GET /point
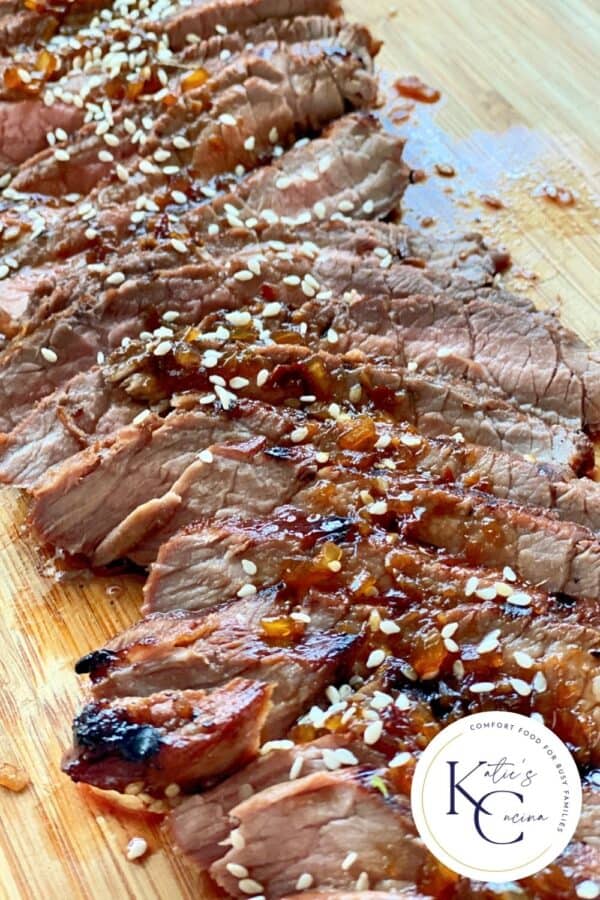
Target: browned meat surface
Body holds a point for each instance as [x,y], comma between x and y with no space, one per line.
[201,823]
[311,825]
[176,737]
[362,161]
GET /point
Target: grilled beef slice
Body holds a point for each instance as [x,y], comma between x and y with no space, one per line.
[363,162]
[185,737]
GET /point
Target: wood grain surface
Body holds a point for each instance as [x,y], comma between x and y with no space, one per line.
[519,109]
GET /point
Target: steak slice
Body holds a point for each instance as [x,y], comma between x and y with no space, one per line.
[206,651]
[362,161]
[274,88]
[311,824]
[183,737]
[200,825]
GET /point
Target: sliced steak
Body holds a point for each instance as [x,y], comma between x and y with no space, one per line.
[201,18]
[363,162]
[281,89]
[200,826]
[182,737]
[207,650]
[311,824]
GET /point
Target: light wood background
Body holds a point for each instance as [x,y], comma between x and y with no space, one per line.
[519,108]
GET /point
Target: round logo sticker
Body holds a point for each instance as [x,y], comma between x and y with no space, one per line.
[496,796]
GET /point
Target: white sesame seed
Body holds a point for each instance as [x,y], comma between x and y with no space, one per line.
[105,156]
[136,848]
[376,657]
[449,630]
[100,357]
[283,182]
[381,701]
[520,598]
[489,642]
[276,745]
[588,890]
[246,590]
[368,207]
[524,660]
[299,434]
[521,687]
[226,398]
[238,383]
[471,585]
[304,882]
[451,645]
[296,768]
[161,155]
[181,143]
[332,336]
[111,139]
[171,315]
[271,309]
[486,593]
[250,886]
[179,246]
[250,143]
[249,567]
[178,197]
[508,574]
[349,860]
[237,840]
[262,377]
[411,440]
[482,687]
[383,442]
[238,317]
[142,416]
[373,732]
[322,457]
[309,291]
[291,280]
[49,355]
[503,589]
[61,155]
[362,882]
[116,279]
[243,275]
[320,210]
[213,230]
[237,870]
[379,508]
[147,168]
[163,348]
[206,456]
[539,683]
[4,270]
[399,760]
[387,626]
[227,119]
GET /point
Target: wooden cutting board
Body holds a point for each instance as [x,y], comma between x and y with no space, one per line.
[519,109]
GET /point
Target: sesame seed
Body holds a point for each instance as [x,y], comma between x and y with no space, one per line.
[142,416]
[163,348]
[100,357]
[489,642]
[105,156]
[238,317]
[226,398]
[243,275]
[381,701]
[399,760]
[299,434]
[387,626]
[238,383]
[250,143]
[206,456]
[362,882]
[588,890]
[320,210]
[262,377]
[524,660]
[147,168]
[332,336]
[291,280]
[268,746]
[227,119]
[271,309]
[322,457]
[471,585]
[136,848]
[61,155]
[383,442]
[519,598]
[249,567]
[458,669]
[486,593]
[4,270]
[503,589]
[451,645]
[213,230]
[482,687]
[376,657]
[305,881]
[334,566]
[349,860]
[508,574]
[449,630]
[521,687]
[111,139]
[181,143]
[116,278]
[179,246]
[171,315]
[246,590]
[237,840]
[379,508]
[410,440]
[296,768]
[178,197]
[49,354]
[355,392]
[283,182]
[373,732]
[250,886]
[539,683]
[237,870]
